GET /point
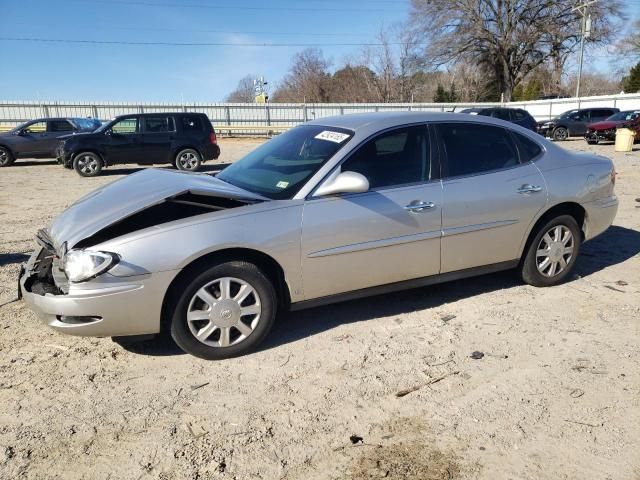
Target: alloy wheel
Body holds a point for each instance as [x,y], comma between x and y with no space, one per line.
[188,161]
[88,164]
[224,312]
[555,251]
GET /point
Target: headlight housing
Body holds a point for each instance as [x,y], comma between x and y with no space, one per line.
[83,265]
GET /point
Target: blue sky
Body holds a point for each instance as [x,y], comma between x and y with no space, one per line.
[58,71]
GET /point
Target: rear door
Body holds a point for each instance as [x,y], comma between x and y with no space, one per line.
[390,233]
[56,129]
[123,144]
[489,195]
[158,132]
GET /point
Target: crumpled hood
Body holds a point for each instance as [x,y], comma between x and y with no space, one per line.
[604,125]
[131,194]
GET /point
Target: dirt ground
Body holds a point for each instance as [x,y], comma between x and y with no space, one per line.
[555,396]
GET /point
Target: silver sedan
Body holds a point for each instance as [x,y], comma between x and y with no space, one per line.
[334,209]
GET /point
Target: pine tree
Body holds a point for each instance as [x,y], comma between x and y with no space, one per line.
[631,83]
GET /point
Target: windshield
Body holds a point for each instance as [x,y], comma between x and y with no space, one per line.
[566,114]
[86,123]
[280,167]
[624,116]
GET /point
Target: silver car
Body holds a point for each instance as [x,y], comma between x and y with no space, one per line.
[334,209]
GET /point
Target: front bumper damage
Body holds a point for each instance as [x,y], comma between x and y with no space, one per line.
[105,307]
[608,135]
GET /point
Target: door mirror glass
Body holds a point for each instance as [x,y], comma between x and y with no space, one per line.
[345,182]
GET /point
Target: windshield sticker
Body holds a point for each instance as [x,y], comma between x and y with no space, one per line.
[282,184]
[335,137]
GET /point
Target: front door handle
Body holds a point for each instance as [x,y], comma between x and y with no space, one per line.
[530,189]
[416,207]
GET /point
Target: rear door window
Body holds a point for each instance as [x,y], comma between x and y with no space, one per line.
[60,126]
[158,124]
[471,149]
[502,114]
[529,150]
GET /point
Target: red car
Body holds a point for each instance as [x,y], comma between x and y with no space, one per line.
[606,130]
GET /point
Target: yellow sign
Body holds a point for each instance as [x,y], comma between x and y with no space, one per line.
[261,98]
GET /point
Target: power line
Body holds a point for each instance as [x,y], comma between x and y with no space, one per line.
[235,7]
[195,44]
[227,32]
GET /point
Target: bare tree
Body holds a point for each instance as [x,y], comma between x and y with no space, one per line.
[509,37]
[308,79]
[244,92]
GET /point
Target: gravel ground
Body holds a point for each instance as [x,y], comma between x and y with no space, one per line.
[555,396]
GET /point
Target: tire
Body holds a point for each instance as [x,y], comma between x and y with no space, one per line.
[188,160]
[6,157]
[217,317]
[592,142]
[560,134]
[87,164]
[533,269]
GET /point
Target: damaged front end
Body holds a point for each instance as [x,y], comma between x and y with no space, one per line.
[76,283]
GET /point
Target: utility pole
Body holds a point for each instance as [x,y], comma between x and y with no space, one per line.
[585,32]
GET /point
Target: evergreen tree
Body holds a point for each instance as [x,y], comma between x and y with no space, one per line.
[631,83]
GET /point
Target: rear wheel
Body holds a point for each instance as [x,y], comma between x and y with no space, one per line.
[87,164]
[223,312]
[188,160]
[560,134]
[552,253]
[6,157]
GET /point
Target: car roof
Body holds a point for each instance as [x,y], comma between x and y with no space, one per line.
[155,114]
[383,120]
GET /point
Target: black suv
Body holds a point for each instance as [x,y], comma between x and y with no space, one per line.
[574,122]
[39,138]
[514,115]
[182,139]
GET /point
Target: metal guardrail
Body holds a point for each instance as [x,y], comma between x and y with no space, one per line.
[249,119]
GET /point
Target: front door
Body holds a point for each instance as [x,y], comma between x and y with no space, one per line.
[123,144]
[390,233]
[33,139]
[157,136]
[491,194]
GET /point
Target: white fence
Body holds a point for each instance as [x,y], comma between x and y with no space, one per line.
[281,115]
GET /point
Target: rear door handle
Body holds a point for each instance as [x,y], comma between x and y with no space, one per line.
[530,189]
[416,207]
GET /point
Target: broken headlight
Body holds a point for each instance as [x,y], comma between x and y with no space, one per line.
[83,265]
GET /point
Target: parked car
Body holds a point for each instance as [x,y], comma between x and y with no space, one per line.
[606,130]
[184,140]
[515,115]
[574,122]
[39,138]
[334,209]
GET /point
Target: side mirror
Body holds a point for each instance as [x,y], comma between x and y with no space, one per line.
[345,182]
[20,133]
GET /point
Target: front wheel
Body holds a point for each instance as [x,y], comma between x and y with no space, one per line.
[560,134]
[552,253]
[6,158]
[188,160]
[224,311]
[87,164]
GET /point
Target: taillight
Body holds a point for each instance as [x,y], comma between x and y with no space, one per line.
[212,137]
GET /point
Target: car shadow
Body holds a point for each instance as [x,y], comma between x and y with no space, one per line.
[615,246]
[32,163]
[9,258]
